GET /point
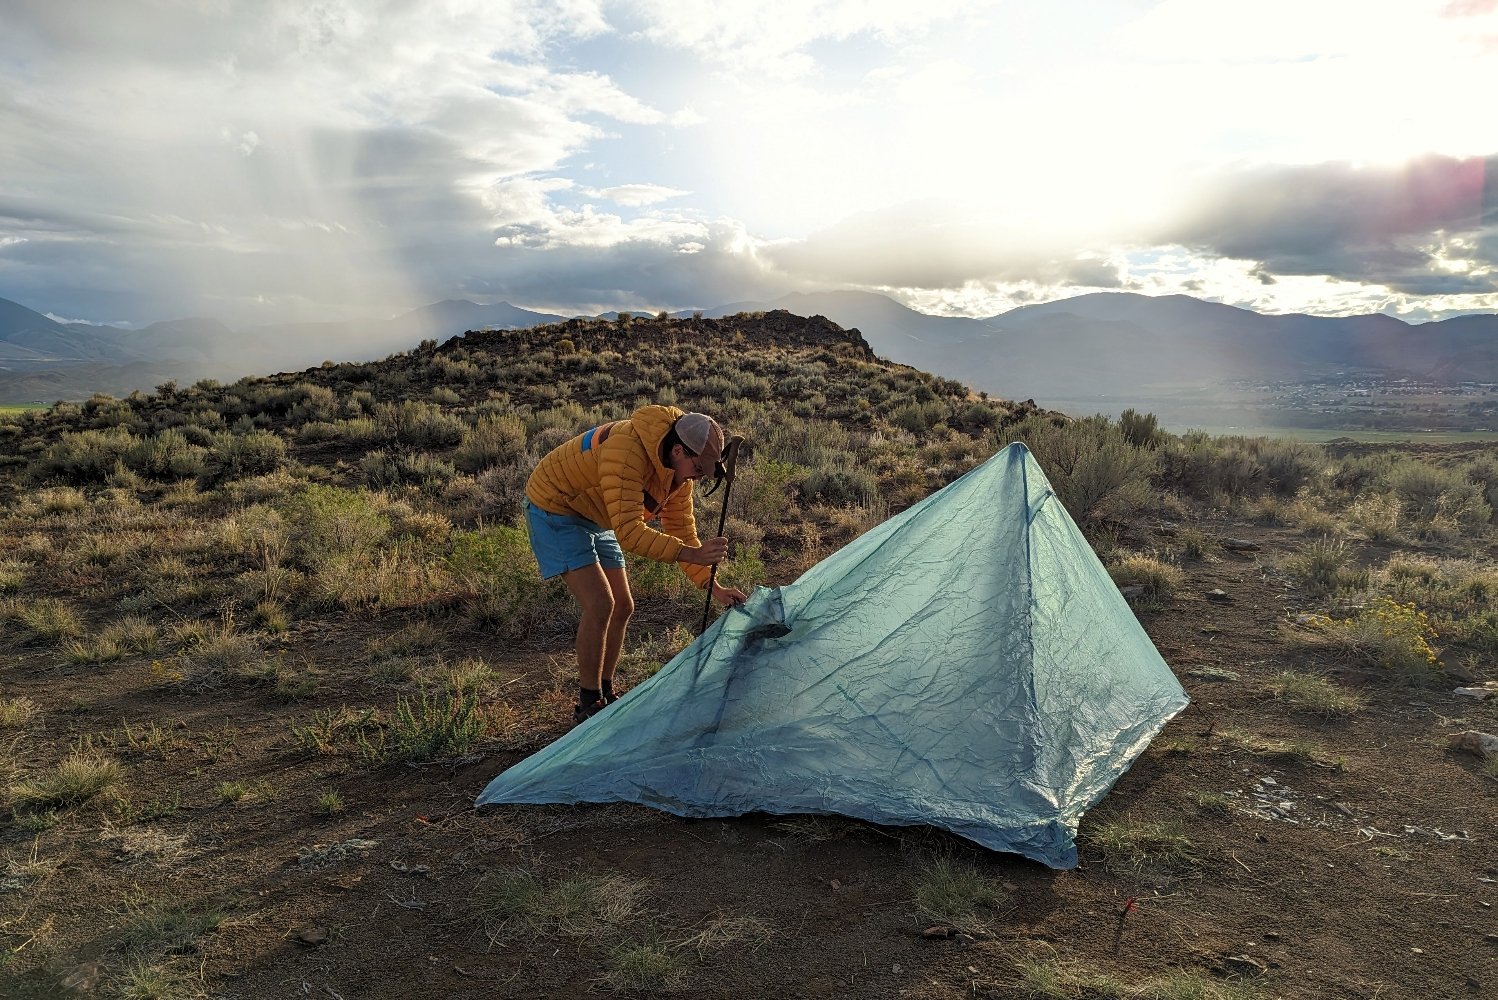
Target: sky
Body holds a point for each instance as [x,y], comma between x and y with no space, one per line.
[265,161]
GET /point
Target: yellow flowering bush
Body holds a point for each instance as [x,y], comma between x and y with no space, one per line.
[1387,634]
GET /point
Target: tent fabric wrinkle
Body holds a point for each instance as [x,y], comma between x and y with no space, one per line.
[968,664]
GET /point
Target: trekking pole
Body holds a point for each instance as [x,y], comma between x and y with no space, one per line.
[730,459]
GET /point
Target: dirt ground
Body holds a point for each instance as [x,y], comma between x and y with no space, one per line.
[1367,873]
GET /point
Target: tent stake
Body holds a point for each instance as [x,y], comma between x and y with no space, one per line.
[730,459]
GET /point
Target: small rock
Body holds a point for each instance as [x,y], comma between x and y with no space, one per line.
[1132,590]
[1457,670]
[1245,965]
[1219,596]
[938,932]
[1239,545]
[1482,744]
[311,936]
[1271,935]
[1482,692]
[83,978]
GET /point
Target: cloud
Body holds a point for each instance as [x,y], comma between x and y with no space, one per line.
[934,243]
[635,195]
[1411,227]
[291,152]
[722,263]
[771,37]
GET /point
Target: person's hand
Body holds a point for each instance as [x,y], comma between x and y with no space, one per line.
[714,550]
[729,596]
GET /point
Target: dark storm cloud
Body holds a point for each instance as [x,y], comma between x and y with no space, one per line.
[1399,226]
[635,274]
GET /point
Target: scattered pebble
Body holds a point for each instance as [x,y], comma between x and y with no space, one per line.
[1245,965]
[1435,834]
[1482,744]
[311,936]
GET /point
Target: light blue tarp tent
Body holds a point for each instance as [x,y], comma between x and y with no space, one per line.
[968,664]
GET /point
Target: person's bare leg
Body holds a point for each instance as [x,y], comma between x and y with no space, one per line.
[624,606]
[595,597]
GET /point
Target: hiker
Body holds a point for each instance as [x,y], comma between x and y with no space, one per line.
[587,503]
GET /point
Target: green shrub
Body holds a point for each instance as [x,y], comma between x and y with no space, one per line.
[421,424]
[83,457]
[1387,634]
[312,403]
[1142,430]
[765,488]
[1420,486]
[166,455]
[1095,472]
[497,570]
[918,418]
[1321,568]
[435,727]
[845,487]
[1196,464]
[1288,465]
[238,455]
[494,440]
[330,521]
[1376,515]
[1484,473]
[653,579]
[420,469]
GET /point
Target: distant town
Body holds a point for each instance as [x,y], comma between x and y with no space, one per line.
[1363,402]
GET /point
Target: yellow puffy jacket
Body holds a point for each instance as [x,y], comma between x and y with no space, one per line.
[612,475]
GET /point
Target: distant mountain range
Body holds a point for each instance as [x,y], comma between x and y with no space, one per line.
[1112,343]
[42,360]
[1095,349]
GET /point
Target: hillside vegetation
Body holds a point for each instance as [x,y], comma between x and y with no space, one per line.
[262,643]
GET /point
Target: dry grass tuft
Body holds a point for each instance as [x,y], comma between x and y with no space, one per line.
[81,776]
[1315,695]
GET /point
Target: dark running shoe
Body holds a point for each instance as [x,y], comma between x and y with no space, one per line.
[580,714]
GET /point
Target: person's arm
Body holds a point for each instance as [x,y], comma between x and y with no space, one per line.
[678,521]
[621,473]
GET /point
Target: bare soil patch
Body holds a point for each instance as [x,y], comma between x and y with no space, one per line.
[1344,857]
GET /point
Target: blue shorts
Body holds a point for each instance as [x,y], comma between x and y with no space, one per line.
[563,542]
